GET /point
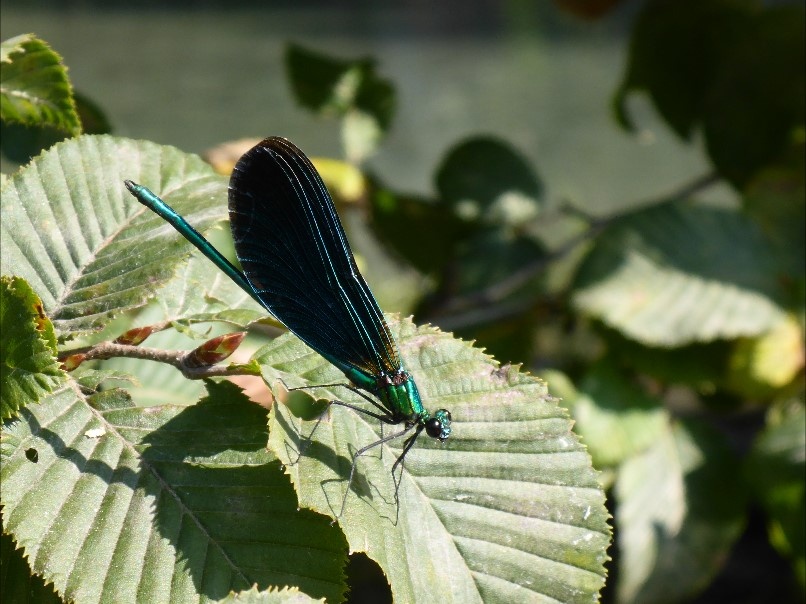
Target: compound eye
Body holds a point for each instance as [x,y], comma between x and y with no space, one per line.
[433,427]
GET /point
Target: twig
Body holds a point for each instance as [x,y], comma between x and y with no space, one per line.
[181,359]
[509,284]
[695,186]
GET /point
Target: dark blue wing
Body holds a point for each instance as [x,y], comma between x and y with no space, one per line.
[295,255]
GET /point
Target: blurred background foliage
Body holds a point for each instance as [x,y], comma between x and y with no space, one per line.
[608,193]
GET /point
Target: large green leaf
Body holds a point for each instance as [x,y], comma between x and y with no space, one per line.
[85,245]
[29,370]
[680,508]
[508,510]
[676,274]
[166,504]
[34,88]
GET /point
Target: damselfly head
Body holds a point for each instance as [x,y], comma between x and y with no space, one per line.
[439,426]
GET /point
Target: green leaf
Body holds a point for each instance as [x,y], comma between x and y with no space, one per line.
[350,89]
[34,87]
[508,510]
[86,246]
[675,274]
[21,142]
[485,262]
[490,257]
[320,82]
[162,504]
[488,183]
[701,366]
[200,292]
[93,379]
[395,216]
[776,200]
[361,134]
[675,52]
[29,370]
[680,508]
[775,468]
[732,67]
[615,418]
[754,111]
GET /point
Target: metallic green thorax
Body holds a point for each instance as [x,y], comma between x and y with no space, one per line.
[398,393]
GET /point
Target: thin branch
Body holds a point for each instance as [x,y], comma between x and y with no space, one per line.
[476,315]
[695,186]
[181,359]
[512,282]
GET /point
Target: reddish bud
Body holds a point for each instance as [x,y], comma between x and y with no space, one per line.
[74,360]
[135,336]
[215,350]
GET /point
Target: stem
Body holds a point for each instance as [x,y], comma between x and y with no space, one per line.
[177,358]
[509,284]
